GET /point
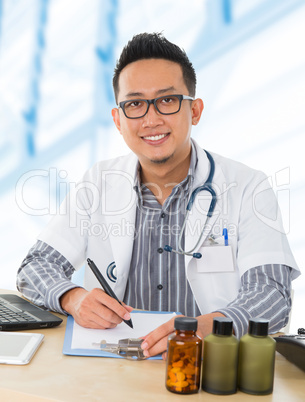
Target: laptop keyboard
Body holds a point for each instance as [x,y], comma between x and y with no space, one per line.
[10,313]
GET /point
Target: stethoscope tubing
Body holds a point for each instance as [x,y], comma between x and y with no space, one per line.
[207,186]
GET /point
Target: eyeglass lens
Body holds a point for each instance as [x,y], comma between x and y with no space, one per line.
[164,105]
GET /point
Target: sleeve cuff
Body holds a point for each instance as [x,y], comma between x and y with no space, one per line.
[54,293]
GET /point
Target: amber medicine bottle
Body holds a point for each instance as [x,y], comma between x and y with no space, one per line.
[184,351]
[220,359]
[256,359]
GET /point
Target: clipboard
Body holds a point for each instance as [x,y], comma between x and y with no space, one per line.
[69,349]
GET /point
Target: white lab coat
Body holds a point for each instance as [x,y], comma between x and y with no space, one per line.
[97,221]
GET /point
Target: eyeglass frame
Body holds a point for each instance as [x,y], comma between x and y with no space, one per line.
[149,102]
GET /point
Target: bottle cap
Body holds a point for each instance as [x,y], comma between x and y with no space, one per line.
[222,326]
[186,323]
[258,327]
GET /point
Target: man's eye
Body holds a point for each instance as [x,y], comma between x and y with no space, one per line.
[133,104]
[168,100]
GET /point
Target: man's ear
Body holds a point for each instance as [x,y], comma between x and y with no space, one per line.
[116,118]
[197,108]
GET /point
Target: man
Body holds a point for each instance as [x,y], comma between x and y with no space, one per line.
[140,201]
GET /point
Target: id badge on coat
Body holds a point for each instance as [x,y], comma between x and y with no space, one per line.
[216,258]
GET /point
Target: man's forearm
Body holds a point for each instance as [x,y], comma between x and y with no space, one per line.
[265,292]
[44,276]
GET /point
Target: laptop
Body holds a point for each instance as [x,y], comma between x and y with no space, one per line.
[19,314]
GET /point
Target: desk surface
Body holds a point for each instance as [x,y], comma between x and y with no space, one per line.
[53,376]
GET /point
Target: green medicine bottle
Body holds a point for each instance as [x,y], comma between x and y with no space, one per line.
[220,359]
[256,359]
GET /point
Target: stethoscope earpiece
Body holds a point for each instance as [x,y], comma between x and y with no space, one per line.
[169,249]
[197,255]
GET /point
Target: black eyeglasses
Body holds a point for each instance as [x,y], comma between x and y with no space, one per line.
[137,108]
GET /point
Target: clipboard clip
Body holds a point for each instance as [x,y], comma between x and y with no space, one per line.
[129,348]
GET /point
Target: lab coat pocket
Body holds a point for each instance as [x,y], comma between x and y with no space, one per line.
[215,259]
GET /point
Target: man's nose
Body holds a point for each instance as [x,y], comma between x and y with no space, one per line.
[152,117]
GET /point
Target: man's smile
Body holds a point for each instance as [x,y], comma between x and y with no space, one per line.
[157,137]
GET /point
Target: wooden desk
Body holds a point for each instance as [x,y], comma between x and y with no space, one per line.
[53,376]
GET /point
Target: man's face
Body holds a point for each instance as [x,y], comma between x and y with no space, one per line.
[156,138]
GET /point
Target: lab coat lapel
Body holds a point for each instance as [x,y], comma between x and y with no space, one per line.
[120,218]
[197,219]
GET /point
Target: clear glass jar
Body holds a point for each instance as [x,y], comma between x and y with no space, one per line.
[184,353]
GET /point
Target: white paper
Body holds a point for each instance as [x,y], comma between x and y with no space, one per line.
[143,323]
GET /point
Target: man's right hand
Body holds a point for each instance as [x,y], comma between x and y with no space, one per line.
[94,309]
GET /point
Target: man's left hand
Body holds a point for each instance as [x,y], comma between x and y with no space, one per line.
[155,342]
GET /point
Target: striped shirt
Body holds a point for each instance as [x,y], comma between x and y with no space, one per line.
[157,279]
[265,292]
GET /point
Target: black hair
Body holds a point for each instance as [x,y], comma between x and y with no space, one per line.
[154,46]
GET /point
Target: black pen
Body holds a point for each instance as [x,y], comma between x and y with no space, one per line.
[105,285]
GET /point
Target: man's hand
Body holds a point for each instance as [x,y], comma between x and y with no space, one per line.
[94,309]
[156,341]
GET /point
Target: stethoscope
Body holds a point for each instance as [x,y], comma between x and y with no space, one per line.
[207,186]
